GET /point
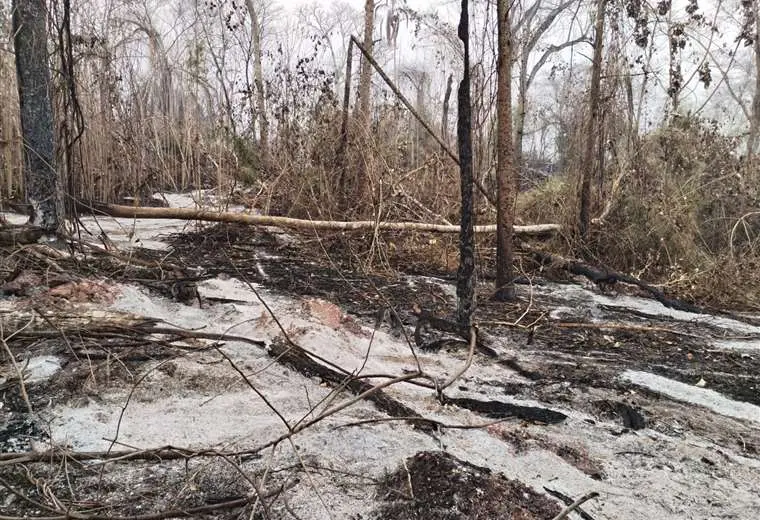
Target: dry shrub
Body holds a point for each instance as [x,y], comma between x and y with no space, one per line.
[685,215]
[675,221]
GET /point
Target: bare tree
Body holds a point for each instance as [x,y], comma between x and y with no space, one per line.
[587,164]
[532,28]
[258,76]
[751,33]
[33,72]
[445,113]
[506,175]
[365,74]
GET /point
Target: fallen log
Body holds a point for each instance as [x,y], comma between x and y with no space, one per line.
[298,359]
[14,321]
[113,210]
[602,276]
[19,235]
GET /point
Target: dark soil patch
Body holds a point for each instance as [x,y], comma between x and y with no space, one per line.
[438,486]
[684,358]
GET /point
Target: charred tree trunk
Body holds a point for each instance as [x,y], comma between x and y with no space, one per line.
[466,272]
[506,175]
[40,177]
[587,165]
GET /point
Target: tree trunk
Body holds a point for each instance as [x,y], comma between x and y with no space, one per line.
[365,74]
[32,69]
[505,157]
[522,101]
[445,116]
[258,79]
[587,167]
[754,123]
[466,271]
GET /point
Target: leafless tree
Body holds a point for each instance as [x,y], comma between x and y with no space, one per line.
[506,173]
[587,163]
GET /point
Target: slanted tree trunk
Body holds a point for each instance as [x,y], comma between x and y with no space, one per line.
[365,74]
[32,69]
[258,78]
[466,271]
[587,166]
[506,175]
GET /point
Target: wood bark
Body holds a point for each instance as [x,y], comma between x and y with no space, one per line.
[365,74]
[258,78]
[506,174]
[445,115]
[754,122]
[343,185]
[466,271]
[587,166]
[537,230]
[20,321]
[34,87]
[607,277]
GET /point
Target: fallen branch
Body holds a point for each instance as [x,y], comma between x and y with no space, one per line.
[574,505]
[623,327]
[298,359]
[605,276]
[19,235]
[113,210]
[30,321]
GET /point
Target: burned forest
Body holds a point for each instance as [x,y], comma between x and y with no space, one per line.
[379,259]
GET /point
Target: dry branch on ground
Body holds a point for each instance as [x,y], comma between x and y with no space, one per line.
[294,223]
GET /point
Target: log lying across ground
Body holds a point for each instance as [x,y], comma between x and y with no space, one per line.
[114,210]
[19,235]
[606,276]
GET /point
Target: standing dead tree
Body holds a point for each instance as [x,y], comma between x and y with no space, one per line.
[586,168]
[506,175]
[258,78]
[466,272]
[34,87]
[529,39]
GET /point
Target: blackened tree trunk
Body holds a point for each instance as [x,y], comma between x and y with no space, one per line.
[587,164]
[33,73]
[466,272]
[506,174]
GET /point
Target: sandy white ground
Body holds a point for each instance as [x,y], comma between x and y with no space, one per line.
[647,474]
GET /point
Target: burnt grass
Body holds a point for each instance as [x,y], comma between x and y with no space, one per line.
[330,267]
